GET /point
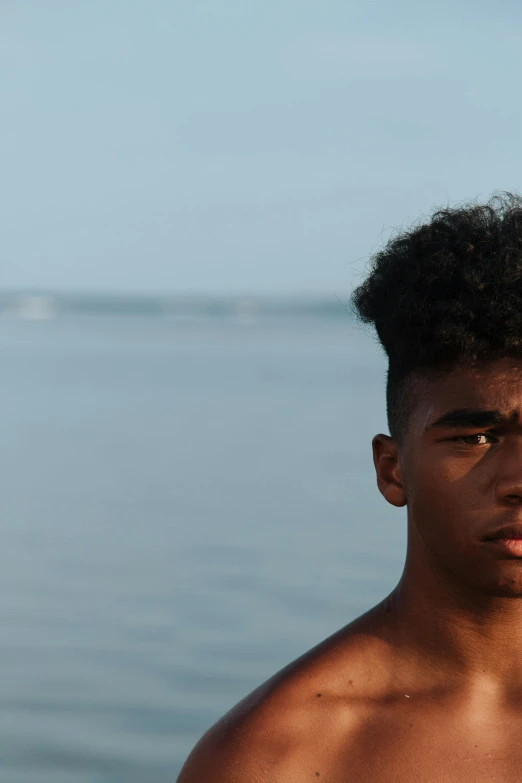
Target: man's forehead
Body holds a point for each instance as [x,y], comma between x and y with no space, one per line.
[500,381]
[493,387]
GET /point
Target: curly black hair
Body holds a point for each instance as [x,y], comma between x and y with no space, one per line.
[446,292]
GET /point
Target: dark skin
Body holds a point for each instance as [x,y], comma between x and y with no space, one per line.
[427,686]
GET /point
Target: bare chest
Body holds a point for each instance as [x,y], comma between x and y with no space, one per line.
[434,747]
[436,754]
[423,746]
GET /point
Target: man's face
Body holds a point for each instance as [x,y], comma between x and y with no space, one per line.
[461,471]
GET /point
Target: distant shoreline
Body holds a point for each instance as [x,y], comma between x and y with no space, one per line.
[43,306]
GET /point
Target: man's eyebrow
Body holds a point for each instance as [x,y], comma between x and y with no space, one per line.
[470,417]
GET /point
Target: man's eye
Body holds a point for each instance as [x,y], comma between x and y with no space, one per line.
[479,439]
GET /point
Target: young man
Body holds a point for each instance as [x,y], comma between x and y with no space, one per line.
[426,687]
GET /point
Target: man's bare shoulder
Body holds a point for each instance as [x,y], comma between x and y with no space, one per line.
[299,721]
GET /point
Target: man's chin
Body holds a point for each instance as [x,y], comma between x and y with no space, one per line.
[509,587]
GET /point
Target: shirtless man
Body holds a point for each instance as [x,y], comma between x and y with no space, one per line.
[426,687]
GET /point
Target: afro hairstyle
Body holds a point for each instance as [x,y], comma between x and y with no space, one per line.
[446,292]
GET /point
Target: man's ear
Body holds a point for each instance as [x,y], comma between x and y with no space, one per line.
[386,461]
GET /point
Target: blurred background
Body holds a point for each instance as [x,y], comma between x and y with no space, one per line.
[190,192]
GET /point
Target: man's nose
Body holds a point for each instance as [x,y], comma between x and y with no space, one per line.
[508,486]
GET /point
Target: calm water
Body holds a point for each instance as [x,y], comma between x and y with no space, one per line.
[185,508]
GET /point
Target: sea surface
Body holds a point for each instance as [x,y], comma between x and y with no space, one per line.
[186,505]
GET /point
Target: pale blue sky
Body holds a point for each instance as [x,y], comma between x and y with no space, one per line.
[234,146]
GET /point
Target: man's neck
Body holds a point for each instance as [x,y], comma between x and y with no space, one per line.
[453,629]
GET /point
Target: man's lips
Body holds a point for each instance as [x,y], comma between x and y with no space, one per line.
[508,539]
[511,532]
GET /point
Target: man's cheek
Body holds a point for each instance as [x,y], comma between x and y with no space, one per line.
[445,484]
[436,515]
[428,488]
